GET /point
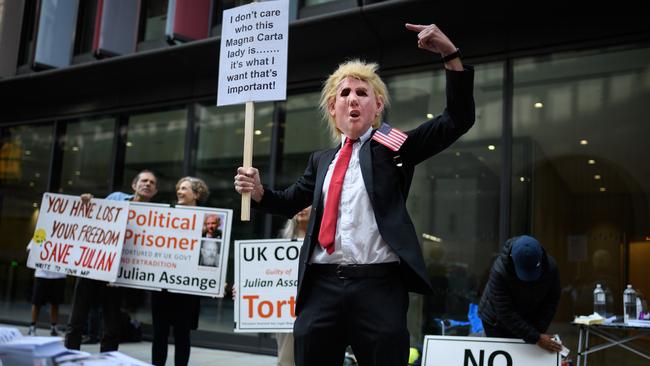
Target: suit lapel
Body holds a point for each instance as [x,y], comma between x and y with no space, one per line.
[323,164]
[365,161]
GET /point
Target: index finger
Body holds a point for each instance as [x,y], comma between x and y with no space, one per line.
[415,27]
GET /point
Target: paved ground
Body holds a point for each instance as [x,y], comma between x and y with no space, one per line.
[198,356]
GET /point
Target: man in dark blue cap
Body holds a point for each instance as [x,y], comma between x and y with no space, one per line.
[522,294]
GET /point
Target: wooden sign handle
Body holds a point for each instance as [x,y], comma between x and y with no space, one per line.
[249,123]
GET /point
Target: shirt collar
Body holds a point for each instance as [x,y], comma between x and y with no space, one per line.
[362,139]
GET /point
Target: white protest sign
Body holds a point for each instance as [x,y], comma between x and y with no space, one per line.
[83,240]
[481,351]
[266,276]
[182,249]
[253,57]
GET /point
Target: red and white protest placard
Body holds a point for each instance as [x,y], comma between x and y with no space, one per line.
[83,240]
[266,276]
[182,249]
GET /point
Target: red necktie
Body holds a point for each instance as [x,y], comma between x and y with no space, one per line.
[328,224]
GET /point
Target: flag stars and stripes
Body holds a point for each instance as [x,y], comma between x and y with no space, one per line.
[390,137]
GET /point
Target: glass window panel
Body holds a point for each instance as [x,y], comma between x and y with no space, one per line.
[87,157]
[24,165]
[27,33]
[219,153]
[581,182]
[225,125]
[308,8]
[85,26]
[156,141]
[154,20]
[316,2]
[305,132]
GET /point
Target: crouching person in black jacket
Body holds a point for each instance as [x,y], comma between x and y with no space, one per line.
[522,294]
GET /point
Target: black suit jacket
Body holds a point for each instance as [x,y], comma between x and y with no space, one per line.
[387,183]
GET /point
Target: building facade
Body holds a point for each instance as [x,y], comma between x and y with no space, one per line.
[557,150]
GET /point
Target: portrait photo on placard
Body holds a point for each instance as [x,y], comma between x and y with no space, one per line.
[213,226]
[210,253]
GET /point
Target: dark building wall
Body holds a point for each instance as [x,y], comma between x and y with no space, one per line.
[488,31]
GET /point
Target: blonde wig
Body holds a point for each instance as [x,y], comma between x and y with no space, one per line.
[357,69]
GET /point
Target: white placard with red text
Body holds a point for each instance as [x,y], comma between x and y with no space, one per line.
[172,248]
[469,351]
[266,277]
[83,240]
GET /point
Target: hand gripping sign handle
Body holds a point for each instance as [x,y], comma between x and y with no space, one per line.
[249,119]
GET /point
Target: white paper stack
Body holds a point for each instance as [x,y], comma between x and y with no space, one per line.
[16,350]
[594,318]
[8,334]
[30,351]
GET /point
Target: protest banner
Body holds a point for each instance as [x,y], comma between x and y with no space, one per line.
[253,56]
[182,249]
[83,240]
[253,64]
[482,351]
[266,276]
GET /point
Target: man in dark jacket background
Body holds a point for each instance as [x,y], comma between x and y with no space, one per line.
[522,294]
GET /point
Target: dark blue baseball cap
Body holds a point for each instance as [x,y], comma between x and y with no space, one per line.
[527,256]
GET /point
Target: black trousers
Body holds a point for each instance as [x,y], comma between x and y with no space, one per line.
[179,311]
[368,314]
[87,291]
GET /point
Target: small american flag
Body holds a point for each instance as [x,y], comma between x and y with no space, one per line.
[390,137]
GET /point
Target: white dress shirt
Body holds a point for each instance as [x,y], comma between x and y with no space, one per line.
[357,239]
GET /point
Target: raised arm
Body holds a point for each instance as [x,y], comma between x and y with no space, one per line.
[440,132]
